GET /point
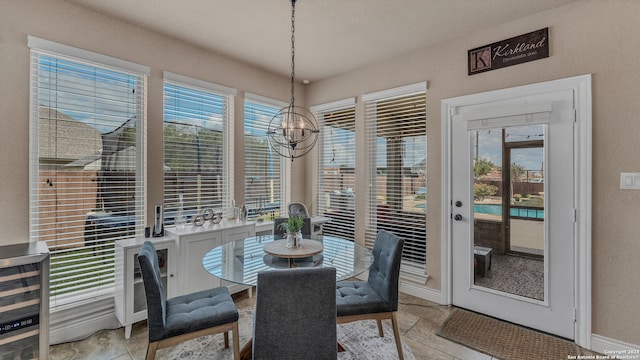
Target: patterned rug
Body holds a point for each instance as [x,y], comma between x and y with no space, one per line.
[360,340]
[503,340]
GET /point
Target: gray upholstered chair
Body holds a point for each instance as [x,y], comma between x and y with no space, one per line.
[279,232]
[376,298]
[295,315]
[172,321]
[298,209]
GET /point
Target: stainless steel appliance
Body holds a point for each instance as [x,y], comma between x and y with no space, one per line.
[24,301]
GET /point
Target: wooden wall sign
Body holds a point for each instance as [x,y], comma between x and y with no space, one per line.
[517,50]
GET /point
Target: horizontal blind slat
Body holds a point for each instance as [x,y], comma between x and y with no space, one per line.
[194,132]
[336,171]
[396,136]
[80,206]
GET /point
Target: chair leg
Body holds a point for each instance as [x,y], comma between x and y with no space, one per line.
[380,331]
[226,339]
[151,351]
[236,342]
[396,332]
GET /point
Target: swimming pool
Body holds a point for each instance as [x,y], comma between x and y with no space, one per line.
[496,209]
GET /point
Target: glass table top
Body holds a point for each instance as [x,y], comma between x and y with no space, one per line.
[240,261]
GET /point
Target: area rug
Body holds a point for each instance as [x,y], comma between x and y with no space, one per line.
[360,340]
[504,340]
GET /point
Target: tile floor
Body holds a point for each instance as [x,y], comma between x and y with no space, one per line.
[419,320]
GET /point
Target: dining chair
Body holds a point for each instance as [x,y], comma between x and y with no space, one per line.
[295,315]
[172,321]
[298,209]
[376,298]
[279,232]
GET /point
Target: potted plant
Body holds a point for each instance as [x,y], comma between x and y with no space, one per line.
[293,227]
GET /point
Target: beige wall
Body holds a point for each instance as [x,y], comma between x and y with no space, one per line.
[596,37]
[69,24]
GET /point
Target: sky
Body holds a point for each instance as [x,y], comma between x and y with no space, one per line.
[490,146]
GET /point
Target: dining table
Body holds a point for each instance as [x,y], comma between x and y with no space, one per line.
[240,261]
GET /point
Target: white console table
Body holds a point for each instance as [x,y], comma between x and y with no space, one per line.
[194,241]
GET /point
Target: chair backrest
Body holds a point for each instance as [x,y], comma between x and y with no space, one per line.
[278,231]
[384,274]
[154,291]
[298,209]
[295,314]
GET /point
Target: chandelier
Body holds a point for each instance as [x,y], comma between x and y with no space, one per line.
[293,131]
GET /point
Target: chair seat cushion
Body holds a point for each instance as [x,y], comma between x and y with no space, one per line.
[199,310]
[358,297]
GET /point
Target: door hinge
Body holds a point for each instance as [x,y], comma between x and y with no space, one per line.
[575,215]
[575,314]
[575,115]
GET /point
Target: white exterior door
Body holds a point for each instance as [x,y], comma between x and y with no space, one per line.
[513,208]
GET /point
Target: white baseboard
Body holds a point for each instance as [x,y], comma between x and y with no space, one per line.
[421,291]
[614,347]
[80,321]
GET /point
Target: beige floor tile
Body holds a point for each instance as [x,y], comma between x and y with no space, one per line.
[123,357]
[423,351]
[103,345]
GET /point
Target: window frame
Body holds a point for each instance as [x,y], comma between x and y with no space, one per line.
[285,165]
[105,280]
[228,95]
[414,270]
[342,226]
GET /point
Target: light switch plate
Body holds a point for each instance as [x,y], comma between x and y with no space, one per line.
[630,181]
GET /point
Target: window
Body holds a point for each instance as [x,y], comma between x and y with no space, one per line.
[396,132]
[198,146]
[336,167]
[87,163]
[265,172]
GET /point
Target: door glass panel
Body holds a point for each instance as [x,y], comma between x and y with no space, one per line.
[508,211]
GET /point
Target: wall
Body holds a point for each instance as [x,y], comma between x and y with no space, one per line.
[76,26]
[596,37]
[589,36]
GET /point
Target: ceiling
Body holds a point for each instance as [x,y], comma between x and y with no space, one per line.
[332,36]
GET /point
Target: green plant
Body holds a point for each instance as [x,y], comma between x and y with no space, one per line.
[292,224]
[482,190]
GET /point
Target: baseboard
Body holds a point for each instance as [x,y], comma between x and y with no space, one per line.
[421,291]
[614,347]
[80,321]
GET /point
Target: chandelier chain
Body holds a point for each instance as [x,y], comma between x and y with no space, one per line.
[293,50]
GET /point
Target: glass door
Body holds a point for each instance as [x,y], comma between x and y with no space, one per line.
[508,210]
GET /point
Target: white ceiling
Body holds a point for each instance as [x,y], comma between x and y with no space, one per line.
[332,36]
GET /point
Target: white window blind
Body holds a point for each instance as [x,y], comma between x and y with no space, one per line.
[266,174]
[396,132]
[198,147]
[336,169]
[87,165]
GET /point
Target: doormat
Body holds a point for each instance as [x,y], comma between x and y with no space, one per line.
[504,340]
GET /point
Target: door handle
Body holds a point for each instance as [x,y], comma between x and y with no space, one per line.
[457,217]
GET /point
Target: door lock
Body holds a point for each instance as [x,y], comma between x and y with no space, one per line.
[458,203]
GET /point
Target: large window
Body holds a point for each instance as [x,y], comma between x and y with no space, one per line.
[265,172]
[198,146]
[396,132]
[336,167]
[86,163]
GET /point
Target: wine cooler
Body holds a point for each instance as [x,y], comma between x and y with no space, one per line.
[24,301]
